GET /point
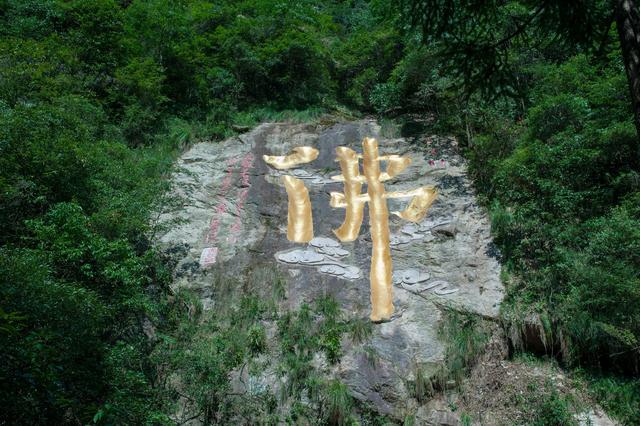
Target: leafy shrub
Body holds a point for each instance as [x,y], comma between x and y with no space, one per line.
[564,211]
[55,361]
[365,60]
[618,396]
[600,310]
[557,114]
[552,410]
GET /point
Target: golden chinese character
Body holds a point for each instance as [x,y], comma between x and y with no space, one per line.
[300,223]
[299,220]
[353,201]
[300,155]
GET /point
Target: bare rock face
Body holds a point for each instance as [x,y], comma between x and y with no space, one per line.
[234,214]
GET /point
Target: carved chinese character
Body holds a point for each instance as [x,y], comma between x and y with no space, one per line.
[300,226]
[353,202]
[299,221]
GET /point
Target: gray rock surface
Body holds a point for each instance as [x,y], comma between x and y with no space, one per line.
[234,210]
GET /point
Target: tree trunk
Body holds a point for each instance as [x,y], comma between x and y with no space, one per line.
[628,23]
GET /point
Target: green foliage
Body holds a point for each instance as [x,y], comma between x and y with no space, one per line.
[548,408]
[39,359]
[149,60]
[302,336]
[205,348]
[68,284]
[365,60]
[565,209]
[360,330]
[599,277]
[466,336]
[211,348]
[620,397]
[339,405]
[30,18]
[416,82]
[485,46]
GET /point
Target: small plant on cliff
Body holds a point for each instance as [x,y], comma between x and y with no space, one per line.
[466,336]
[339,403]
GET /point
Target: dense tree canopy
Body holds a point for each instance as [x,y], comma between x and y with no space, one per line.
[483,40]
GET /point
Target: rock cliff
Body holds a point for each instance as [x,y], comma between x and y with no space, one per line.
[233,216]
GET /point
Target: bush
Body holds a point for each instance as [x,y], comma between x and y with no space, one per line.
[52,364]
[557,114]
[620,397]
[601,308]
[564,211]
